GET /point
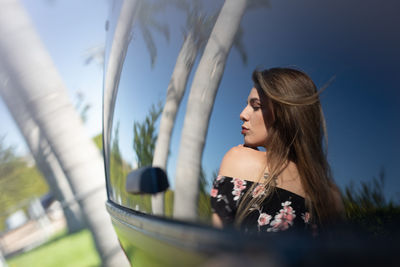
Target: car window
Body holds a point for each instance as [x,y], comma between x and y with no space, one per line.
[181,73]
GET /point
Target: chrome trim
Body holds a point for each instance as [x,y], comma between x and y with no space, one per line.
[341,246]
[199,238]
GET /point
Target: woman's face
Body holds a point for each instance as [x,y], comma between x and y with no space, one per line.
[255,117]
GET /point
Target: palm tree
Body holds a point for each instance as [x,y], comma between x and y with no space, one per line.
[145,135]
[195,35]
[147,14]
[27,63]
[142,12]
[201,100]
[43,155]
[132,12]
[194,38]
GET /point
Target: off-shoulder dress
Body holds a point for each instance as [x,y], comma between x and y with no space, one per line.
[281,211]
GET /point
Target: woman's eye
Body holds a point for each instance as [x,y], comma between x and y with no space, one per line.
[256,108]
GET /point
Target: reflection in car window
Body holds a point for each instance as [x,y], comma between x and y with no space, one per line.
[197,61]
[288,186]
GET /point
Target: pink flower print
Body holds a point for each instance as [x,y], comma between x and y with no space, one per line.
[286,204]
[278,224]
[238,186]
[264,219]
[283,219]
[222,197]
[258,191]
[236,193]
[287,210]
[306,217]
[214,192]
[289,217]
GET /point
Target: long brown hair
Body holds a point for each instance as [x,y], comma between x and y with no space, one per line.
[297,135]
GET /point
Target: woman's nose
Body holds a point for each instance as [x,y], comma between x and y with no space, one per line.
[243,115]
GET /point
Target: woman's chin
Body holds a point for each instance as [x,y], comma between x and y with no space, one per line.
[249,145]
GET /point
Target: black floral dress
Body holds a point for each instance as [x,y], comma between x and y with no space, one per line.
[282,211]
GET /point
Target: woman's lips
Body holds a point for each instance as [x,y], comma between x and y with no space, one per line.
[244,130]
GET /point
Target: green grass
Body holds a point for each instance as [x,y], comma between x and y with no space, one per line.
[64,250]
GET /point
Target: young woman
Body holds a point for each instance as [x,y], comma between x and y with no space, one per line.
[288,186]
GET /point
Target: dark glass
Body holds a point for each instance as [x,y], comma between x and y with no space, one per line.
[357,42]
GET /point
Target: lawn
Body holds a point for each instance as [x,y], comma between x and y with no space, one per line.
[63,250]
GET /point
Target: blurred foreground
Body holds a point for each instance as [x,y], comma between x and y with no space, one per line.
[23,234]
[62,250]
[41,238]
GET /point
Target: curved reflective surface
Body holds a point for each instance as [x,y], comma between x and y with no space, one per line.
[161,51]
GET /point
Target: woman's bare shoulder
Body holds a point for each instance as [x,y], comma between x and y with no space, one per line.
[243,162]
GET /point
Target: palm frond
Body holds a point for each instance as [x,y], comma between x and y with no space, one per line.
[238,44]
[147,14]
[204,28]
[161,28]
[148,39]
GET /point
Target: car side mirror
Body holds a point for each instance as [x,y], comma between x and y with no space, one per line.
[146,180]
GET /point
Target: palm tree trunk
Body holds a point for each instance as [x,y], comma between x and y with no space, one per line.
[27,62]
[201,100]
[42,153]
[113,68]
[175,92]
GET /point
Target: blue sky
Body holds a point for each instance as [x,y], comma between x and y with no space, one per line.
[361,105]
[357,41]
